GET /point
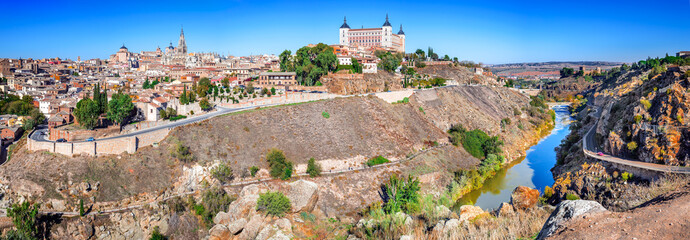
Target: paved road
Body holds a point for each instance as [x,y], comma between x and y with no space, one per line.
[590,149]
[219,111]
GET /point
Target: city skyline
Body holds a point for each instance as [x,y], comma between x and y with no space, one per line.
[493,33]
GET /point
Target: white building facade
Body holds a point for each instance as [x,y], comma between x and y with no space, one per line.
[373,37]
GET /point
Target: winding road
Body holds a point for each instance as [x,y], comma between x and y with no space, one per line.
[590,149]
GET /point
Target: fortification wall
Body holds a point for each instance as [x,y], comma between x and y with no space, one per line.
[151,137]
[88,148]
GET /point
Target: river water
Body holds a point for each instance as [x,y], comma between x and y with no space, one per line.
[533,171]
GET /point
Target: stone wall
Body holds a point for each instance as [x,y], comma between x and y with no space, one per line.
[100,147]
[88,148]
[395,96]
[281,99]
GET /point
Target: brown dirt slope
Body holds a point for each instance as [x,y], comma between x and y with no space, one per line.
[365,126]
[356,126]
[665,217]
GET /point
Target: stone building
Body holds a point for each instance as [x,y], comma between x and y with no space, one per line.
[382,37]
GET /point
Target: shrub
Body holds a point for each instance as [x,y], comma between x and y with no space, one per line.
[213,201]
[325,114]
[222,172]
[157,235]
[538,101]
[178,117]
[176,204]
[182,153]
[632,146]
[280,166]
[313,168]
[516,112]
[421,110]
[473,140]
[505,122]
[679,117]
[273,203]
[253,170]
[400,194]
[476,142]
[81,207]
[626,175]
[637,118]
[377,160]
[548,192]
[646,104]
[521,127]
[571,196]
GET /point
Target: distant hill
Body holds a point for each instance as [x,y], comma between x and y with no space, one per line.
[546,69]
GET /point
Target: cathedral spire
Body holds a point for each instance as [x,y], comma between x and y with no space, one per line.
[182,45]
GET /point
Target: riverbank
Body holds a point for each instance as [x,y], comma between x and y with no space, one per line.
[468,193]
[532,171]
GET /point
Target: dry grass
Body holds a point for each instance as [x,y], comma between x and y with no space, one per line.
[641,193]
[521,225]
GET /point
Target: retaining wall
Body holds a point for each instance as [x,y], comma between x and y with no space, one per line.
[100,147]
[395,96]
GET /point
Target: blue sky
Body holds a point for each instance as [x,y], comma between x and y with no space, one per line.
[483,31]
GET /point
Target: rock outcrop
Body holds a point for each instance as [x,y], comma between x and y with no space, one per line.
[565,211]
[524,197]
[302,195]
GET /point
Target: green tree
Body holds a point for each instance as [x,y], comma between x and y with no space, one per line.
[279,165]
[356,66]
[86,113]
[225,82]
[147,84]
[421,54]
[202,87]
[183,98]
[313,168]
[37,116]
[286,64]
[24,217]
[120,108]
[204,104]
[567,72]
[273,91]
[28,99]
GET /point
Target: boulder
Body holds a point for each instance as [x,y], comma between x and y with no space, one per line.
[222,218]
[252,228]
[284,225]
[565,211]
[237,226]
[219,232]
[443,211]
[504,209]
[406,237]
[524,197]
[280,235]
[245,205]
[303,195]
[266,232]
[469,212]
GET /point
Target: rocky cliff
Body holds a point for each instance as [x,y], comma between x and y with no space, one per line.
[340,134]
